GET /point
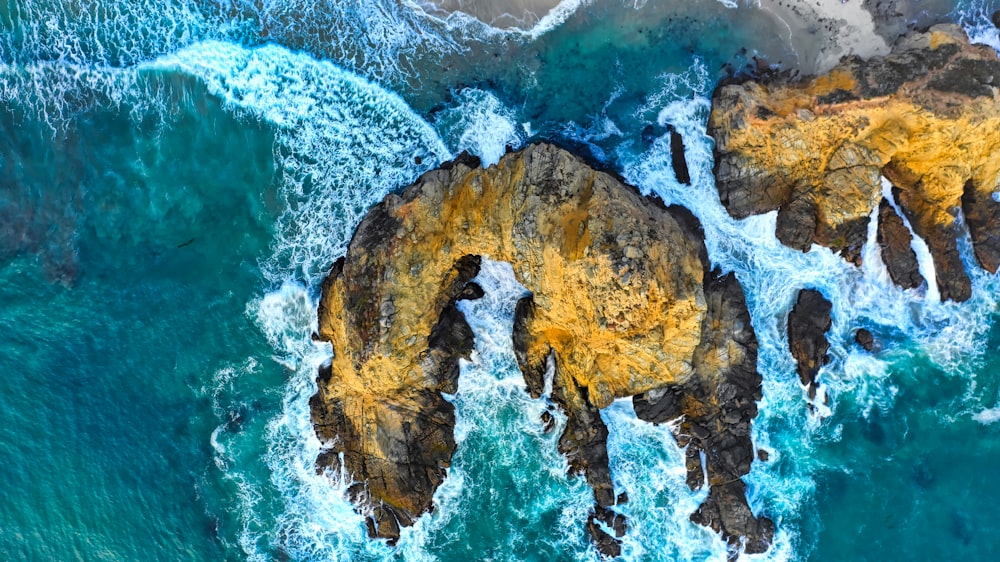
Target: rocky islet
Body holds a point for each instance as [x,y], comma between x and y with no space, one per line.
[622,304]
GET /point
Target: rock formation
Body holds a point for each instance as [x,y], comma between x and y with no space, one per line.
[896,244]
[808,323]
[816,149]
[621,304]
[865,339]
[678,158]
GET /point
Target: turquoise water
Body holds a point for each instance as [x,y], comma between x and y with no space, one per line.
[176,176]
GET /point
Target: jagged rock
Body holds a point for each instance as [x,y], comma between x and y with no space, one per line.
[982,215]
[548,421]
[606,543]
[808,323]
[677,158]
[717,408]
[816,149]
[941,236]
[895,241]
[621,304]
[865,339]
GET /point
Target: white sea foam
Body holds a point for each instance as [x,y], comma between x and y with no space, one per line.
[82,33]
[647,463]
[987,416]
[556,17]
[512,20]
[975,18]
[344,143]
[500,437]
[479,123]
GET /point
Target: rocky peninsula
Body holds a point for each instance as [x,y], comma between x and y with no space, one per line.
[622,305]
[818,149]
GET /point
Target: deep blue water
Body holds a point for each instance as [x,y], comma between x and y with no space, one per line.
[176,176]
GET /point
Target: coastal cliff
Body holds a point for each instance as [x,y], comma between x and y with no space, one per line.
[816,150]
[622,304]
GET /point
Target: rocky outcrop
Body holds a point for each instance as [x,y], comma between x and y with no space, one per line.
[716,410]
[621,304]
[808,323]
[816,151]
[896,244]
[678,158]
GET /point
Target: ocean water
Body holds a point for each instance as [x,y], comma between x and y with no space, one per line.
[176,176]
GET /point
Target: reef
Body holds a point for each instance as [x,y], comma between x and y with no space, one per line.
[816,150]
[622,304]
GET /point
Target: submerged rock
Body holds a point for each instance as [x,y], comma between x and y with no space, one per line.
[816,151]
[622,304]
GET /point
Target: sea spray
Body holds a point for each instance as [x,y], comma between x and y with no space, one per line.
[90,34]
[647,464]
[515,489]
[476,121]
[974,16]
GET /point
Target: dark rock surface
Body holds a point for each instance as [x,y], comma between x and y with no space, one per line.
[808,323]
[865,339]
[677,157]
[717,408]
[942,240]
[895,242]
[982,216]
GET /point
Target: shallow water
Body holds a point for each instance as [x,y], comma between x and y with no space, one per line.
[176,176]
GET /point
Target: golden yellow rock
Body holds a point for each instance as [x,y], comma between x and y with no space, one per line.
[925,117]
[621,301]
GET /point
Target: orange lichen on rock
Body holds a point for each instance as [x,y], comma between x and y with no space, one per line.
[618,301]
[610,303]
[925,117]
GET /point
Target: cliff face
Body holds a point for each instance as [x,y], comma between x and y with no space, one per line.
[924,117]
[622,304]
